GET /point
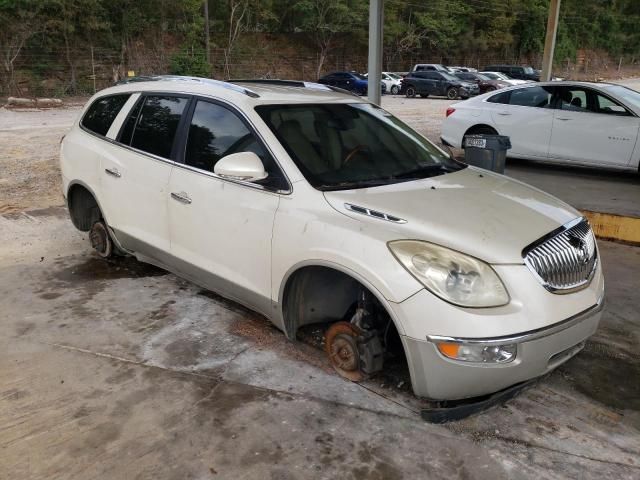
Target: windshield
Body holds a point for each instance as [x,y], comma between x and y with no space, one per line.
[627,95]
[343,146]
[482,76]
[394,76]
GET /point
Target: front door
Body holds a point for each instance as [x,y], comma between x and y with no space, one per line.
[135,173]
[220,228]
[591,128]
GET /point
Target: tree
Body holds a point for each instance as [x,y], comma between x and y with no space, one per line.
[19,21]
[326,20]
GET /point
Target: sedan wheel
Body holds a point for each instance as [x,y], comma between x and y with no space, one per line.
[411,92]
[395,89]
[452,93]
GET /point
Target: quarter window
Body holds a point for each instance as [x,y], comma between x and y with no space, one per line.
[158,123]
[502,97]
[103,112]
[216,132]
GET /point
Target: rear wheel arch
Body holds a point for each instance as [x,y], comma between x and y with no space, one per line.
[83,206]
[481,129]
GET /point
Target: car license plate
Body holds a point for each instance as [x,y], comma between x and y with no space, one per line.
[476,142]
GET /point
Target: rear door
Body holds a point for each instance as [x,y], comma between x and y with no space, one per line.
[135,173]
[221,228]
[592,128]
[526,115]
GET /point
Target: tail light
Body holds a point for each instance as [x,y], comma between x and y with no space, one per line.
[450,111]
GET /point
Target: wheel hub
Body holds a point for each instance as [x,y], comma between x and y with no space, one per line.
[341,344]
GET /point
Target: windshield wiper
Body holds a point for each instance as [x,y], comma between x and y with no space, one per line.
[355,184]
[428,169]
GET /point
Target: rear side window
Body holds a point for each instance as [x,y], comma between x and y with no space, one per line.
[539,97]
[158,123]
[103,112]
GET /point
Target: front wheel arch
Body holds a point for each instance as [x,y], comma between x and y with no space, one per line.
[291,324]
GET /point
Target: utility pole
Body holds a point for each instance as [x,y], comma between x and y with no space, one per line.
[550,40]
[206,31]
[376,22]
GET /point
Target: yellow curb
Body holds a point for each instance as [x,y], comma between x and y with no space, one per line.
[608,226]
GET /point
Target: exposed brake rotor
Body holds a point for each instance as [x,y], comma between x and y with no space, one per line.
[100,240]
[341,345]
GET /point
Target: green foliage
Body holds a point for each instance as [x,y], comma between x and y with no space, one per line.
[192,63]
[168,35]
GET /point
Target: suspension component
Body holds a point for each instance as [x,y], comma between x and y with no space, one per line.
[354,353]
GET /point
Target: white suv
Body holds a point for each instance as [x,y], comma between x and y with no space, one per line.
[313,206]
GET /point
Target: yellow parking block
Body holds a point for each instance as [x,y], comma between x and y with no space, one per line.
[607,226]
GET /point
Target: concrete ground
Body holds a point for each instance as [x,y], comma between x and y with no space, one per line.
[121,370]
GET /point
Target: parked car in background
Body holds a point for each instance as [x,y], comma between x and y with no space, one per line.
[484,83]
[575,123]
[354,82]
[425,83]
[425,67]
[515,71]
[315,207]
[504,78]
[391,81]
[461,69]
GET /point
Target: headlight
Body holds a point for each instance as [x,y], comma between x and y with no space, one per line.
[452,276]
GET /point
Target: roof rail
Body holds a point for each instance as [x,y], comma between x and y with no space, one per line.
[292,83]
[181,78]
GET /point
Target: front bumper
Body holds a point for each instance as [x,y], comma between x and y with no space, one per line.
[539,351]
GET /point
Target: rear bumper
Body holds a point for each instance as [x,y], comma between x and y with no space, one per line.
[539,351]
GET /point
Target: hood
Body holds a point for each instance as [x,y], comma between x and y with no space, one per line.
[483,214]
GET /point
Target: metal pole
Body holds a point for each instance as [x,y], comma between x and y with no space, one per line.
[550,40]
[206,32]
[376,21]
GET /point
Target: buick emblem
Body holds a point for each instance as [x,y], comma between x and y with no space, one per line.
[581,248]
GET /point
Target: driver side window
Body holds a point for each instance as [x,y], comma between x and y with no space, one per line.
[215,132]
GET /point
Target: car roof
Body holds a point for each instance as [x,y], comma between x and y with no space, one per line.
[238,91]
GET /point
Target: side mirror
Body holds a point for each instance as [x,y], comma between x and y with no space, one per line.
[245,166]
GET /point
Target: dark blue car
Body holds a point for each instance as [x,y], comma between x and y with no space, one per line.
[353,82]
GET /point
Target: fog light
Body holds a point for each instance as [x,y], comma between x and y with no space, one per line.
[478,352]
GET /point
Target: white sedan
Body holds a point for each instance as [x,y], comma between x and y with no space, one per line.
[391,81]
[577,123]
[503,77]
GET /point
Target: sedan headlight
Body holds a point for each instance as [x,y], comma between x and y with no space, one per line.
[453,276]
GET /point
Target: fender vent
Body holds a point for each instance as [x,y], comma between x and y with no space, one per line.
[374,213]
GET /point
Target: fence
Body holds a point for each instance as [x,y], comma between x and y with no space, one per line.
[44,74]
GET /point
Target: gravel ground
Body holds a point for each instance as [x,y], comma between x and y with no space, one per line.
[30,139]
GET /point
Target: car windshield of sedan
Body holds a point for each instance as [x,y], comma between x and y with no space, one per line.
[625,94]
[345,146]
[449,77]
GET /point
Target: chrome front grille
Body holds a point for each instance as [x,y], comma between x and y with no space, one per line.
[564,260]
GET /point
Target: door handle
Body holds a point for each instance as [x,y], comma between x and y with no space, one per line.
[564,119]
[113,172]
[181,197]
[504,114]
